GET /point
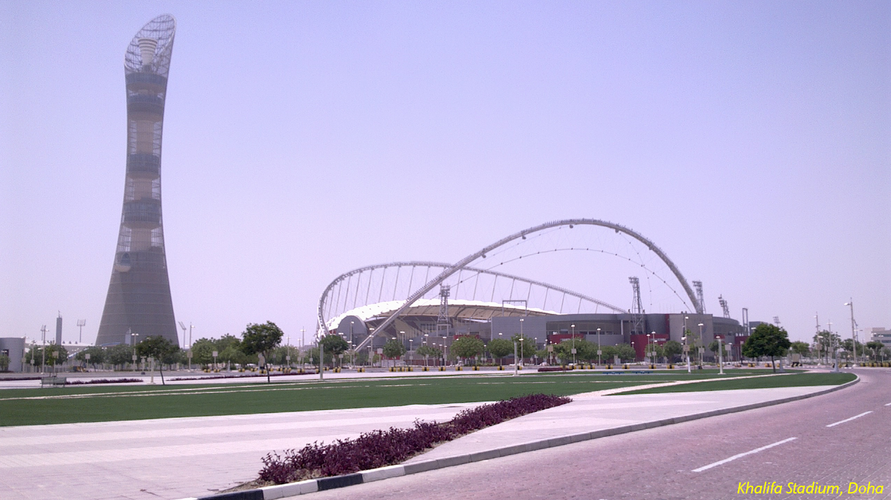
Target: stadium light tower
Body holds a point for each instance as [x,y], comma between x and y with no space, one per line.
[139,291]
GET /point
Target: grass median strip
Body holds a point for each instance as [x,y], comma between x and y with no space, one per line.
[103,404]
[767,382]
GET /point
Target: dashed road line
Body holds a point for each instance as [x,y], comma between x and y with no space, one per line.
[849,419]
[734,457]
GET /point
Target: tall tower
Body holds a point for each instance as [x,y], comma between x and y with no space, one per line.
[139,293]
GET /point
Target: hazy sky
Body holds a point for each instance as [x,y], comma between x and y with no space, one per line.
[750,140]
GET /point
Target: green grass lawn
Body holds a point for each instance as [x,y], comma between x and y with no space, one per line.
[772,382]
[102,404]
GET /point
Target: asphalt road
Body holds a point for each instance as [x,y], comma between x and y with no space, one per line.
[828,441]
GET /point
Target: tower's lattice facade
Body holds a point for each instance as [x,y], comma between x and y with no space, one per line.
[138,300]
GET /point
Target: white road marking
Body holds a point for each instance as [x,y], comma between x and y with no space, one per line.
[849,419]
[734,457]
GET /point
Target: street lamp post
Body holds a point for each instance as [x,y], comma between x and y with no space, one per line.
[853,333]
[599,350]
[700,346]
[720,356]
[133,343]
[653,351]
[522,350]
[686,345]
[516,362]
[573,345]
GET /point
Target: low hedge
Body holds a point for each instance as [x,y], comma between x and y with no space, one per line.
[381,448]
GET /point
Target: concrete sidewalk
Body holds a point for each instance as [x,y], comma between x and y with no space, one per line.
[588,416]
[177,457]
[196,457]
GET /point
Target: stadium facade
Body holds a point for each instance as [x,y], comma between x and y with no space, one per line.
[139,300]
[421,324]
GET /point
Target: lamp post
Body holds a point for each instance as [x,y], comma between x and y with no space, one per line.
[516,362]
[853,333]
[599,350]
[699,348]
[653,351]
[189,352]
[686,346]
[43,350]
[133,343]
[573,344]
[522,351]
[720,356]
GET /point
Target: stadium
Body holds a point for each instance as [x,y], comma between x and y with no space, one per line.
[434,303]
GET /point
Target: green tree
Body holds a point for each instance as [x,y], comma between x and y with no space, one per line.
[4,362]
[393,349]
[499,348]
[279,356]
[525,346]
[767,340]
[311,356]
[672,349]
[801,348]
[849,345]
[334,346]
[160,348]
[607,353]
[876,347]
[824,342]
[261,340]
[654,350]
[625,352]
[119,355]
[430,352]
[584,350]
[228,349]
[468,347]
[202,351]
[37,353]
[97,356]
[232,353]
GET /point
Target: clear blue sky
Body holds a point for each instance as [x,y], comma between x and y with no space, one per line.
[750,140]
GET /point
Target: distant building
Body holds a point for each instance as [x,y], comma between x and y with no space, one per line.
[882,335]
[14,348]
[139,301]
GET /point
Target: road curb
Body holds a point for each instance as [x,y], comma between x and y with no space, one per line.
[327,483]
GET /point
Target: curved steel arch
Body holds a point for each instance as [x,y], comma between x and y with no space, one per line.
[461,264]
[445,265]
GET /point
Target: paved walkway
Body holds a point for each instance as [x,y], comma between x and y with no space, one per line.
[173,458]
[193,457]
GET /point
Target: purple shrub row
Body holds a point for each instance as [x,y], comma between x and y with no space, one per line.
[381,448]
[103,381]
